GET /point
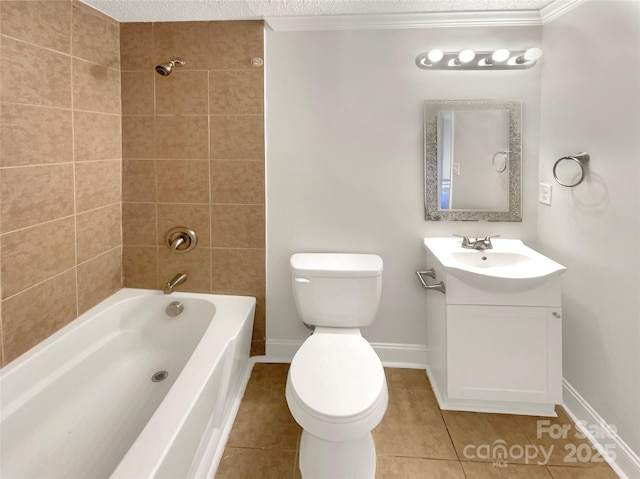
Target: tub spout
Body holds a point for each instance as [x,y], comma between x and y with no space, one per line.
[177,280]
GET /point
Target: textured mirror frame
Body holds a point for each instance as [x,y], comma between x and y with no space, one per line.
[431,200]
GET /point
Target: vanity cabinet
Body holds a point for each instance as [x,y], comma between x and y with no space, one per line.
[494,350]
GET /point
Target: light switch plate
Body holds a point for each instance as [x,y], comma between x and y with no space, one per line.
[544,193]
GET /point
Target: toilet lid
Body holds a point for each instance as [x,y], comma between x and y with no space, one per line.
[337,375]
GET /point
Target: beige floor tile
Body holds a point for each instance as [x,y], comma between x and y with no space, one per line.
[560,439]
[479,470]
[268,376]
[412,426]
[413,467]
[487,437]
[256,463]
[264,419]
[408,379]
[602,471]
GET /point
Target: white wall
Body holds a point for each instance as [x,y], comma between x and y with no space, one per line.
[591,102]
[344,157]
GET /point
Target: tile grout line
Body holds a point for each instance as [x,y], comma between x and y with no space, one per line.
[73,151]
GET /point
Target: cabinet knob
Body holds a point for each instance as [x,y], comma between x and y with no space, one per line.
[556,314]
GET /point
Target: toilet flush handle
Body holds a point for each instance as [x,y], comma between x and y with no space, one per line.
[300,279]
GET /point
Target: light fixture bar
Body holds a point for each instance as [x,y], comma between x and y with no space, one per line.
[500,59]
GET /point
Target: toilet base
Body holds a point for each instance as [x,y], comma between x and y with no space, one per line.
[322,459]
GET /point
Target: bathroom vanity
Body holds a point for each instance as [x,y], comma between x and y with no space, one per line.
[494,331]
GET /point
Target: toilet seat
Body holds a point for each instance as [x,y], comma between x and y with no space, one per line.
[338,378]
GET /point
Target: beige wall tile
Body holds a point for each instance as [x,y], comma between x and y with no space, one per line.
[237,226]
[183,92]
[139,224]
[43,23]
[35,194]
[183,181]
[139,180]
[24,325]
[98,183]
[95,88]
[138,93]
[33,255]
[188,41]
[33,135]
[234,44]
[259,323]
[196,264]
[138,137]
[195,217]
[237,271]
[97,136]
[237,181]
[37,76]
[236,92]
[98,231]
[99,278]
[140,266]
[237,137]
[95,39]
[136,46]
[182,137]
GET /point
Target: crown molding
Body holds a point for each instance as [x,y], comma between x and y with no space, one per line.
[406,21]
[558,8]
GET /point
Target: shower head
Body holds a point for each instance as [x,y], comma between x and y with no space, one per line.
[164,69]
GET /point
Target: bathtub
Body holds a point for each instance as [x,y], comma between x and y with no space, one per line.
[83,403]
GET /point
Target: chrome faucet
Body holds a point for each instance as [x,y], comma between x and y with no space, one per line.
[177,280]
[477,243]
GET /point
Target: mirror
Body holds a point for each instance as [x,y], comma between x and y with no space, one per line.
[473,160]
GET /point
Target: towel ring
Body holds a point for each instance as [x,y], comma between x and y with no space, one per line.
[506,158]
[581,159]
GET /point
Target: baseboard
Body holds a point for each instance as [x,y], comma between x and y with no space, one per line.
[622,459]
[394,355]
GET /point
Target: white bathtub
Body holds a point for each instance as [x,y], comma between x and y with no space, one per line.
[82,404]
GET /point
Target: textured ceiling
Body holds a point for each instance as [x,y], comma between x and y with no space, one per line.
[184,10]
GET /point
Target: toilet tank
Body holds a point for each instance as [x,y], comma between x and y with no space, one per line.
[336,289]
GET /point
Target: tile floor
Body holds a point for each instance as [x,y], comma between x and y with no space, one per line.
[414,440]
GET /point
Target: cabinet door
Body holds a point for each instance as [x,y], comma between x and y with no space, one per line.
[504,353]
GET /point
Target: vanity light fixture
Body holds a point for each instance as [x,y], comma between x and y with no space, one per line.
[500,59]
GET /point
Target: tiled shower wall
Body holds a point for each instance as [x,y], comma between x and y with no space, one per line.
[60,167]
[193,149]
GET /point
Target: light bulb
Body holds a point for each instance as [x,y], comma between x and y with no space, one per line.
[532,54]
[500,55]
[435,56]
[465,56]
[529,56]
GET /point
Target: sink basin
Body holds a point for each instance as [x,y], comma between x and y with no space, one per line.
[509,259]
[489,259]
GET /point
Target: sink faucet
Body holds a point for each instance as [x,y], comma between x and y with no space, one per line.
[477,243]
[177,280]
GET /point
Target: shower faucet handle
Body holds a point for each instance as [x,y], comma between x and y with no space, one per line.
[181,239]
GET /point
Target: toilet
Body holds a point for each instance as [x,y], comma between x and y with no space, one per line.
[336,387]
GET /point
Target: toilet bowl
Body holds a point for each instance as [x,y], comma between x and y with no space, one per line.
[336,388]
